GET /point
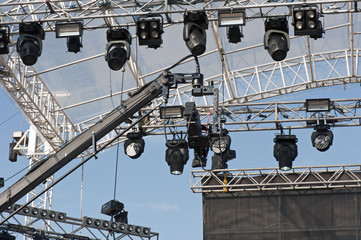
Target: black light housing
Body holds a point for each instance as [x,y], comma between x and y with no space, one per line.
[322,138]
[276,38]
[285,151]
[176,155]
[150,30]
[118,48]
[234,34]
[13,156]
[4,40]
[220,145]
[194,34]
[29,44]
[306,22]
[134,145]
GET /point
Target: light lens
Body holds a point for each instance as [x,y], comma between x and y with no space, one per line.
[298,15]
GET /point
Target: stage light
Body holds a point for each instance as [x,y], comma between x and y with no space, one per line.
[285,151]
[134,145]
[118,48]
[228,18]
[4,40]
[194,34]
[276,38]
[318,105]
[74,44]
[306,22]
[176,155]
[322,138]
[113,207]
[220,145]
[37,213]
[234,34]
[13,156]
[68,29]
[29,44]
[150,30]
[171,112]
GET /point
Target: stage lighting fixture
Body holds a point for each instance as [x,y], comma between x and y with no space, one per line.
[13,156]
[68,29]
[322,138]
[171,112]
[227,18]
[306,22]
[276,38]
[150,30]
[29,44]
[285,151]
[134,145]
[194,34]
[234,34]
[318,105]
[176,155]
[220,145]
[111,208]
[118,48]
[4,40]
[37,212]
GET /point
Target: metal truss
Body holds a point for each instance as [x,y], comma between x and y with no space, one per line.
[62,226]
[272,179]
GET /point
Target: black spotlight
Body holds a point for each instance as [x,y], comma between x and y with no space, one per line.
[234,34]
[73,31]
[13,156]
[150,30]
[74,44]
[4,40]
[134,145]
[306,22]
[176,155]
[29,44]
[220,145]
[276,38]
[285,151]
[118,48]
[194,34]
[322,138]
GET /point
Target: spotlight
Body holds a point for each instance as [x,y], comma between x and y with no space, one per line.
[4,40]
[134,145]
[150,30]
[306,22]
[13,156]
[220,145]
[322,138]
[29,44]
[118,48]
[73,31]
[276,38]
[176,155]
[285,150]
[234,34]
[194,34]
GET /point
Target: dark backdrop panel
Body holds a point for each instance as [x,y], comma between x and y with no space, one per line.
[283,215]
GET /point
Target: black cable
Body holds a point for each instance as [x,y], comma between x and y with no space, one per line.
[9,118]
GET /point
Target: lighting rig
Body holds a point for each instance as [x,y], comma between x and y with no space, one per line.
[134,145]
[220,145]
[285,150]
[176,155]
[37,212]
[73,32]
[118,48]
[194,34]
[150,30]
[306,21]
[115,209]
[4,39]
[232,20]
[29,44]
[276,38]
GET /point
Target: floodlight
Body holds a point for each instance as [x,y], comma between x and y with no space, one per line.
[4,40]
[118,48]
[134,145]
[150,30]
[68,29]
[29,44]
[194,34]
[176,155]
[228,18]
[171,112]
[322,138]
[318,105]
[285,151]
[234,34]
[306,21]
[276,38]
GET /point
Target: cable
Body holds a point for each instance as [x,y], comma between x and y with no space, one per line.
[9,118]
